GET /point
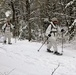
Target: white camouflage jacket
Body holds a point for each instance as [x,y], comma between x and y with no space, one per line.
[7,28]
[51,29]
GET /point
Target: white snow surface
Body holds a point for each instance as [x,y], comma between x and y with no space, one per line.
[23,58]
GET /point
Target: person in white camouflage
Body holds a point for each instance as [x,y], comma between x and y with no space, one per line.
[52,32]
[7,29]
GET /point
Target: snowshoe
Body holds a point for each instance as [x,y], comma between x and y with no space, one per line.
[57,53]
[48,50]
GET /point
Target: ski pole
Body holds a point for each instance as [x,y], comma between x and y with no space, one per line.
[42,45]
[62,39]
[15,33]
[62,42]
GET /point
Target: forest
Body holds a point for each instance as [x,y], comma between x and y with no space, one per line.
[28,16]
[28,41]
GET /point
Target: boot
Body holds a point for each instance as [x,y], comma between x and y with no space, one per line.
[48,50]
[10,43]
[57,53]
[4,41]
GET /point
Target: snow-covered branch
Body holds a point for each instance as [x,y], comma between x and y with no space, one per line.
[73,24]
[61,14]
[70,3]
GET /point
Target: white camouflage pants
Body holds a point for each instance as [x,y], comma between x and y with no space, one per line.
[7,35]
[52,43]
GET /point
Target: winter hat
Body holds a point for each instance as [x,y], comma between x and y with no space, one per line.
[54,19]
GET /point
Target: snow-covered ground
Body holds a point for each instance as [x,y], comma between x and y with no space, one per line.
[22,58]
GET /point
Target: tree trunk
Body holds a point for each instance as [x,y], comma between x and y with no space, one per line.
[13,20]
[47,9]
[28,17]
[13,9]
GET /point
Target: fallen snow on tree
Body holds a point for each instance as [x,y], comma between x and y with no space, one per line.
[70,3]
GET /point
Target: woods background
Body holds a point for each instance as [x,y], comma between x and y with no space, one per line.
[28,15]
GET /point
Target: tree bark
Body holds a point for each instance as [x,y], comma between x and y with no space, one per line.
[28,17]
[13,9]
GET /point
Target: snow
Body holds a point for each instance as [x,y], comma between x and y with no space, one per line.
[22,58]
[7,13]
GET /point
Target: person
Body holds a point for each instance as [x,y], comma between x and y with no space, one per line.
[52,32]
[7,29]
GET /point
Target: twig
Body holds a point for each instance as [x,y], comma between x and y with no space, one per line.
[10,71]
[55,69]
[2,48]
[1,73]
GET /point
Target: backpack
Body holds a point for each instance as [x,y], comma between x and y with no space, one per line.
[53,29]
[5,28]
[45,25]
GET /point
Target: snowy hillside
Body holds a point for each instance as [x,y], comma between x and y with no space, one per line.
[22,58]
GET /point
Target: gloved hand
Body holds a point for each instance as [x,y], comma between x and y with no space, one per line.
[14,27]
[49,35]
[62,30]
